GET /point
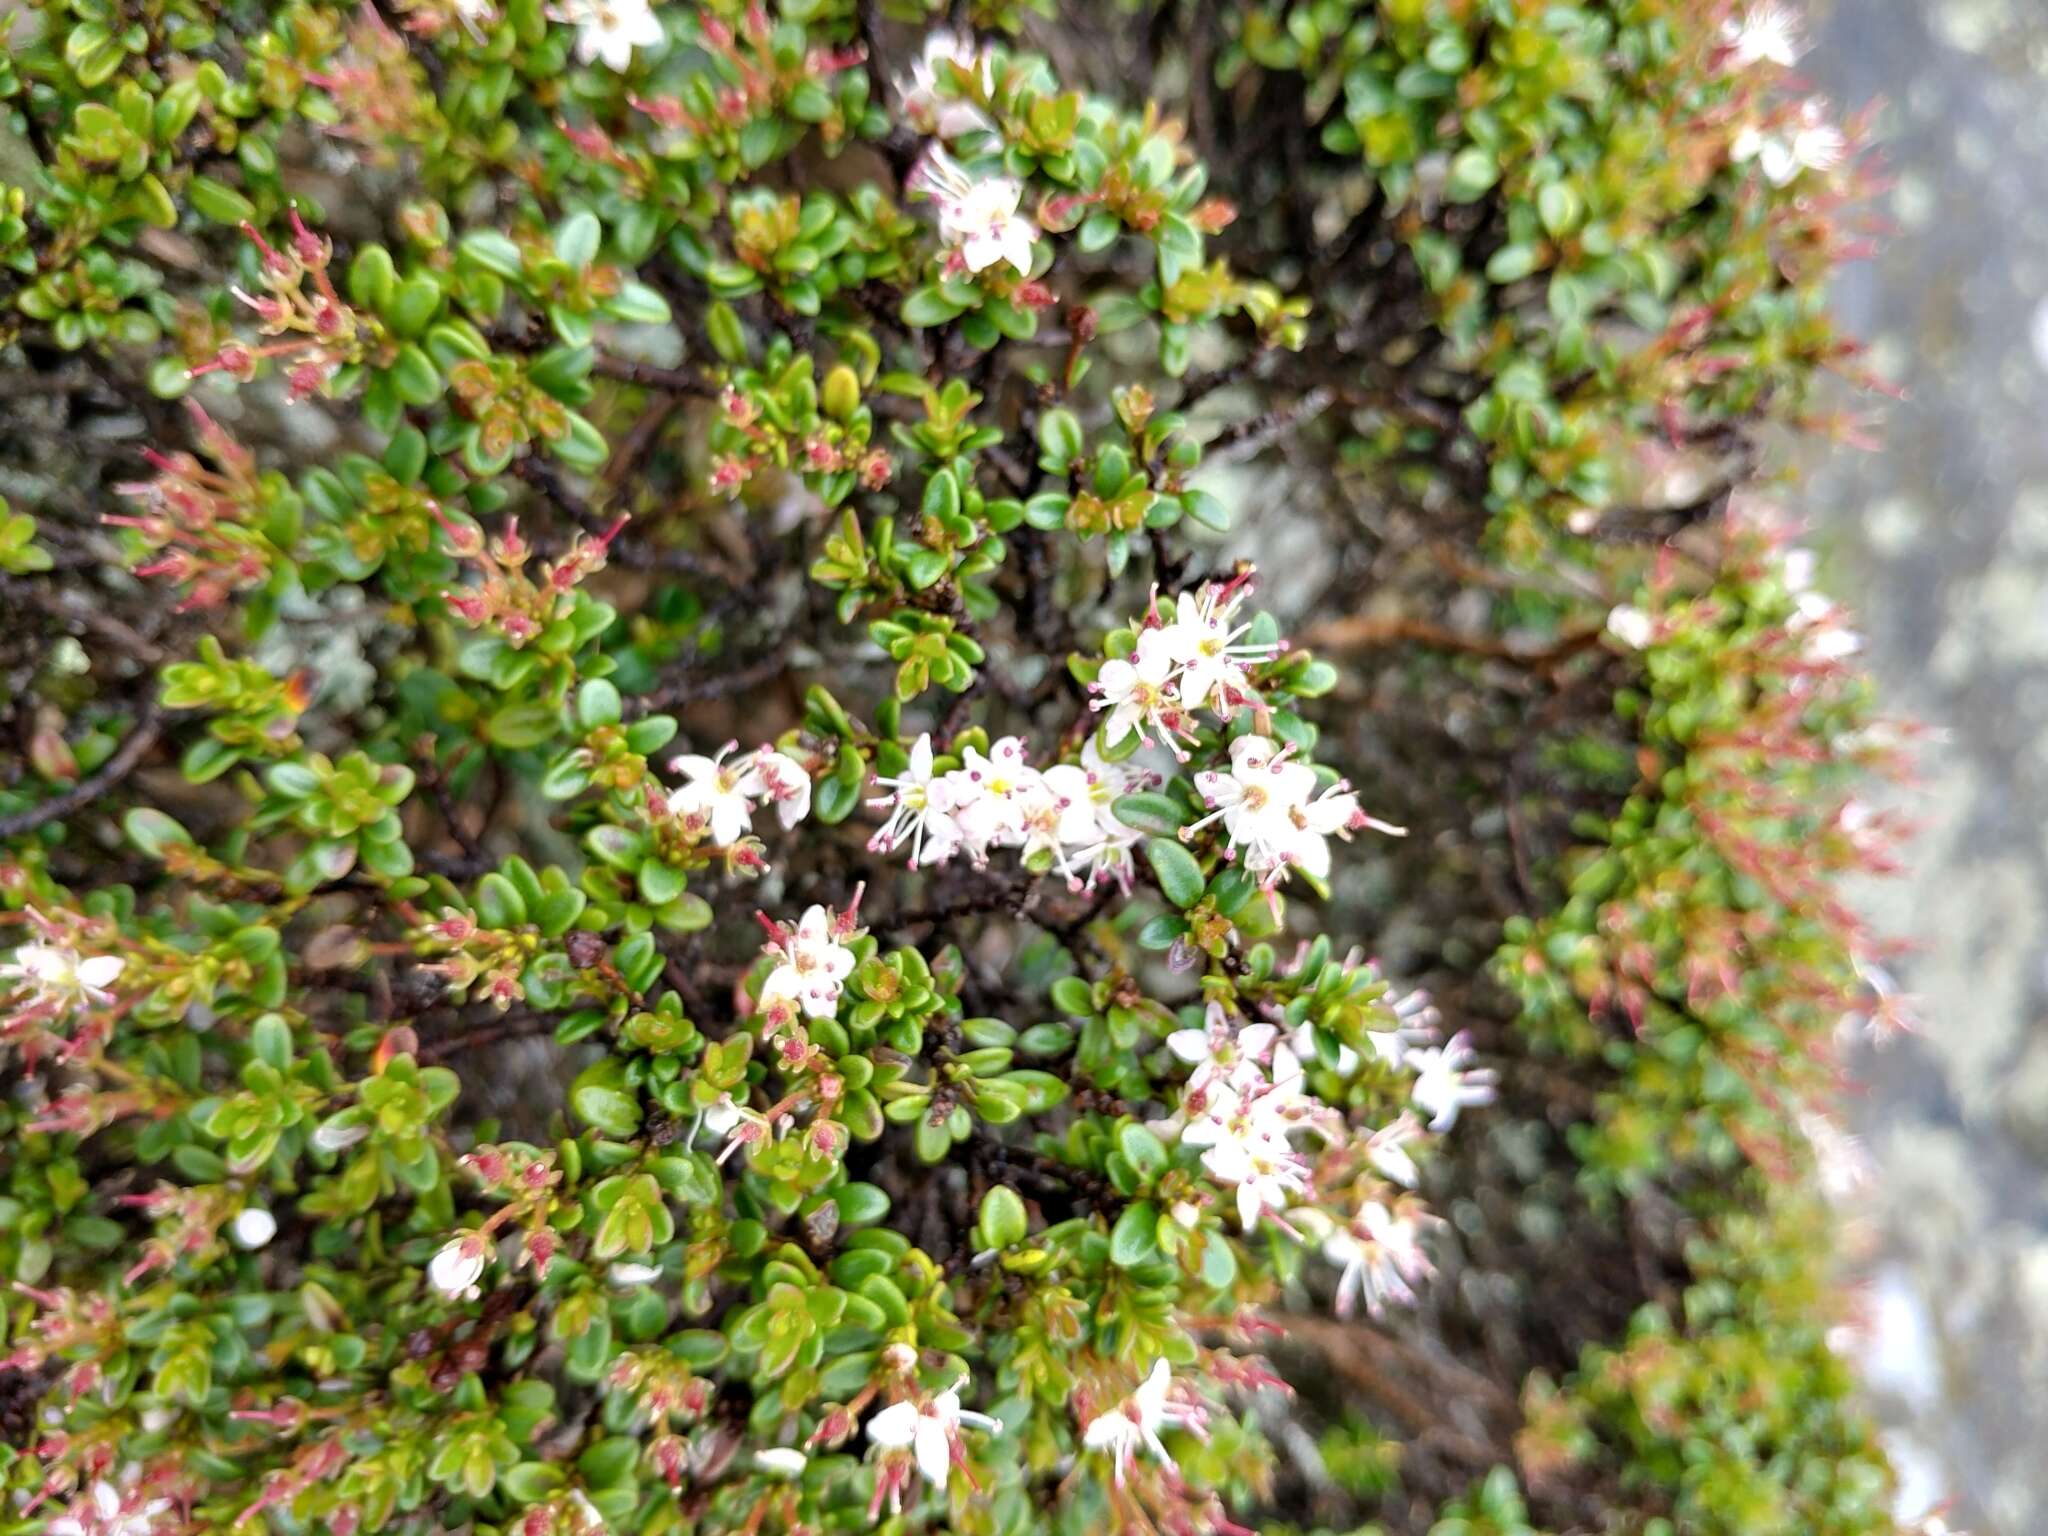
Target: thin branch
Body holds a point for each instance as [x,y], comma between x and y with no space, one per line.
[126,759]
[675,381]
[1247,439]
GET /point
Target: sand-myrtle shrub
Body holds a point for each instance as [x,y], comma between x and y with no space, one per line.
[853,764]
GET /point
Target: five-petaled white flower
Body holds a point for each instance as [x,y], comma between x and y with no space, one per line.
[814,964]
[920,811]
[977,214]
[1445,1082]
[1141,694]
[1381,1257]
[931,1431]
[931,96]
[609,30]
[1134,1424]
[58,977]
[1210,651]
[1766,33]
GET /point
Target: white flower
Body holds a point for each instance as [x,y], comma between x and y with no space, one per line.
[721,792]
[814,965]
[930,1431]
[782,1460]
[1387,1150]
[1631,626]
[1058,815]
[1814,144]
[920,811]
[989,793]
[784,784]
[1220,1050]
[628,1275]
[105,1510]
[1274,814]
[1382,1258]
[1444,1084]
[1139,692]
[609,30]
[1134,1424]
[456,1268]
[1245,1145]
[253,1226]
[931,97]
[978,215]
[1767,33]
[59,977]
[1209,651]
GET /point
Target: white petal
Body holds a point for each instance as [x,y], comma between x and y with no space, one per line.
[894,1427]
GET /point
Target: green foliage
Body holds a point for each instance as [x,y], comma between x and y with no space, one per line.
[570,388]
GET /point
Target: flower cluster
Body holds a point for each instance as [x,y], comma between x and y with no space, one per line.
[722,792]
[202,523]
[507,601]
[1247,1099]
[1193,656]
[322,332]
[1276,811]
[811,961]
[1060,817]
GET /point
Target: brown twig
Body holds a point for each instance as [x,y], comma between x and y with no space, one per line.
[126,759]
[675,381]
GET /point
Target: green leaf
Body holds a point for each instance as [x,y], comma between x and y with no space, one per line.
[1150,811]
[1074,997]
[1145,1152]
[578,237]
[597,704]
[153,832]
[498,902]
[271,1039]
[218,202]
[1179,876]
[1134,1238]
[603,1104]
[1003,1219]
[1060,439]
[927,307]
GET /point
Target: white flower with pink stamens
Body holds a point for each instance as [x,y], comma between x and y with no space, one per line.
[978,215]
